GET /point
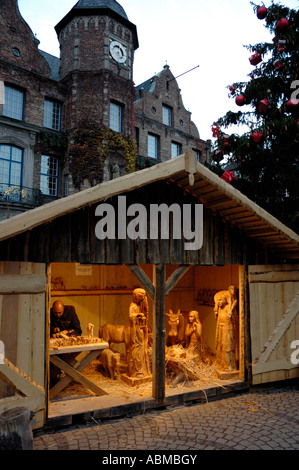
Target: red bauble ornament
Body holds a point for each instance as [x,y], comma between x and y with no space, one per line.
[255,59]
[292,105]
[232,89]
[278,64]
[282,24]
[240,100]
[281,44]
[257,136]
[261,13]
[228,176]
[263,105]
[215,130]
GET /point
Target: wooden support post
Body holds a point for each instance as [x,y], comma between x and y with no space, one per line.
[159,335]
[143,279]
[175,277]
[15,429]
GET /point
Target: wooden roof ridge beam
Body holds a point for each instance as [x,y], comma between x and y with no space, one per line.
[243,200]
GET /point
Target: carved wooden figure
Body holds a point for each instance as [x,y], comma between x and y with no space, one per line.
[231,295]
[117,334]
[225,333]
[111,362]
[193,334]
[173,322]
[90,328]
[138,316]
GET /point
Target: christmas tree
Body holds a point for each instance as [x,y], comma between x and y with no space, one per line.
[263,163]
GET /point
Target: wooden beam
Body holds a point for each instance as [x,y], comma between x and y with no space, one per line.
[175,277]
[282,364]
[77,376]
[275,276]
[20,382]
[17,284]
[143,279]
[159,335]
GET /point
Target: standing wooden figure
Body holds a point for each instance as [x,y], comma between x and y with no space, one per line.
[193,334]
[138,316]
[225,335]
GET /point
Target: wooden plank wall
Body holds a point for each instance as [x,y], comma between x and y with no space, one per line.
[22,318]
[71,238]
[272,289]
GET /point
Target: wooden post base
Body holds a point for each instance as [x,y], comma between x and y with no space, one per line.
[135,381]
[15,429]
[226,375]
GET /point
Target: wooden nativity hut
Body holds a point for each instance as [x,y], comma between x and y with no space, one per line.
[52,252]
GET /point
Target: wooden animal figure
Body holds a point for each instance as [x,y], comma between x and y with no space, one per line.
[173,322]
[111,362]
[117,334]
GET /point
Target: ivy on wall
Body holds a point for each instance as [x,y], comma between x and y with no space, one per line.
[91,145]
[48,140]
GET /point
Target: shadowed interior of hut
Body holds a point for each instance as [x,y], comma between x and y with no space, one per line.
[202,331]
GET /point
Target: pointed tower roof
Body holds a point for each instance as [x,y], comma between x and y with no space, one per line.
[107,4]
[99,7]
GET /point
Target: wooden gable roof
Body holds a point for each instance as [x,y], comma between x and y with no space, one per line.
[194,178]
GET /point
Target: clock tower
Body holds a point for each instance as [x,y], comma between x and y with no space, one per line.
[97,45]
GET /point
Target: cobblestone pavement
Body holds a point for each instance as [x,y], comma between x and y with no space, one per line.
[262,419]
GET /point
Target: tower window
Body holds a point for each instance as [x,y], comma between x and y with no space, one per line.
[116,117]
[52,115]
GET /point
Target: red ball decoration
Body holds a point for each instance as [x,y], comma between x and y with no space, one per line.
[240,100]
[257,136]
[232,89]
[255,59]
[263,105]
[278,65]
[261,13]
[282,24]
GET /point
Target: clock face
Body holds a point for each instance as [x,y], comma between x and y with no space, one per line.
[118,52]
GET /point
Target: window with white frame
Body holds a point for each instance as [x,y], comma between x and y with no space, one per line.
[49,175]
[167,115]
[116,117]
[14,101]
[52,115]
[176,149]
[153,146]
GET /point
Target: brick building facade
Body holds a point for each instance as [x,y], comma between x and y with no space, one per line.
[43,99]
[164,128]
